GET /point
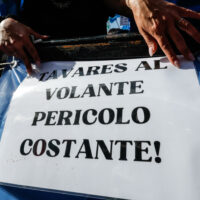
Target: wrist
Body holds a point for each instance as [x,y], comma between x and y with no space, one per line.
[6,21]
[134,4]
[145,8]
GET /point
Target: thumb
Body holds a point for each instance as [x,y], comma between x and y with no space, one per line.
[151,43]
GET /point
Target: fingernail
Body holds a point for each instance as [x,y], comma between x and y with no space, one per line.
[151,51]
[177,63]
[191,57]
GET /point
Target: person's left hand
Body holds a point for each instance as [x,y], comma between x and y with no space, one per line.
[159,20]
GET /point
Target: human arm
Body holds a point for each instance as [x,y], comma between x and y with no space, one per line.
[158,21]
[15,41]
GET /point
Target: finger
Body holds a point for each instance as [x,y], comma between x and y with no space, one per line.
[32,51]
[37,35]
[184,12]
[25,59]
[167,49]
[11,40]
[186,26]
[180,43]
[151,43]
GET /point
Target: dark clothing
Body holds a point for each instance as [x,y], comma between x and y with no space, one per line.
[77,19]
[191,4]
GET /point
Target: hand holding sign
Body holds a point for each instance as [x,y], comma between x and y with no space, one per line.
[158,19]
[15,41]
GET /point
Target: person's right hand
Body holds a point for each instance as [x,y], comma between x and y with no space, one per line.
[15,41]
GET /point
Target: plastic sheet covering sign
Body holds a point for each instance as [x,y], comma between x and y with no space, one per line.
[125,129]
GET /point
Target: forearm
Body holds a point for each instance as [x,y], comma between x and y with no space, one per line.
[130,7]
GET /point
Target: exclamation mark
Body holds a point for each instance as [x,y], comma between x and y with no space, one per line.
[157,148]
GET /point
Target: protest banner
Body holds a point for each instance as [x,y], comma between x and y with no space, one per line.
[125,129]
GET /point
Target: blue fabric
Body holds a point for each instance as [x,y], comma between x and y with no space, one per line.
[12,193]
[191,4]
[3,9]
[9,82]
[197,67]
[8,7]
[21,3]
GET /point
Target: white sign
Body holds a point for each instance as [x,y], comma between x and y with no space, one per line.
[125,129]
